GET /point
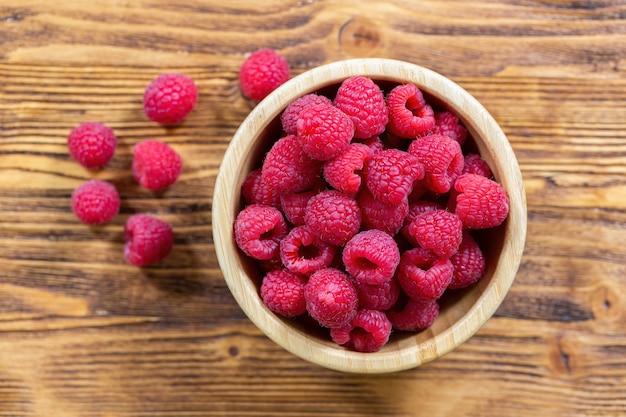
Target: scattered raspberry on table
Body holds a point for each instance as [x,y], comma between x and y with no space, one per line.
[156,165]
[92,144]
[95,202]
[262,72]
[169,98]
[147,239]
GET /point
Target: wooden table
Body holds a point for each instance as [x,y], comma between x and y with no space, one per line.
[82,333]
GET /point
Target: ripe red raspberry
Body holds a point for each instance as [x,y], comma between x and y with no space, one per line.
[475,164]
[447,123]
[294,206]
[331,298]
[481,203]
[469,263]
[303,252]
[92,144]
[382,216]
[368,331]
[256,191]
[169,98]
[442,160]
[423,275]
[259,230]
[147,239]
[262,72]
[324,131]
[371,257]
[378,297]
[409,114]
[415,209]
[290,115]
[282,291]
[414,315]
[156,165]
[333,216]
[342,172]
[363,101]
[437,230]
[288,168]
[390,174]
[95,202]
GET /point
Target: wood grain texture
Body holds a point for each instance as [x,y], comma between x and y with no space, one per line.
[84,334]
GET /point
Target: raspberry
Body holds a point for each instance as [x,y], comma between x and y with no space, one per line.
[288,168]
[169,98]
[92,144]
[447,123]
[368,331]
[303,252]
[390,174]
[481,203]
[333,216]
[262,72]
[282,291]
[331,299]
[324,131]
[256,191]
[415,209]
[374,143]
[363,101]
[409,115]
[382,216]
[147,239]
[371,257]
[272,264]
[442,159]
[156,165]
[475,164]
[378,297]
[422,275]
[415,315]
[468,262]
[290,115]
[294,206]
[259,230]
[342,172]
[95,202]
[437,230]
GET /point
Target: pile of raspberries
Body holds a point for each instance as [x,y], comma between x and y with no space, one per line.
[364,212]
[168,99]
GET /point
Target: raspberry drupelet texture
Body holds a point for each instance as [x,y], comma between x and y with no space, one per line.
[423,275]
[324,131]
[415,209]
[256,191]
[363,101]
[294,206]
[287,168]
[480,203]
[92,144]
[475,164]
[342,172]
[95,202]
[382,216]
[469,263]
[442,159]
[303,252]
[156,165]
[282,291]
[333,216]
[371,257]
[447,123]
[259,230]
[147,239]
[390,174]
[169,98]
[262,72]
[414,315]
[368,331]
[437,230]
[379,296]
[409,114]
[331,298]
[290,115]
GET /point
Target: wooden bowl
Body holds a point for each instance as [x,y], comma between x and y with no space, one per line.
[462,313]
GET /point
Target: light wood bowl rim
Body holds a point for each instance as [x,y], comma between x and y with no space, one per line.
[408,353]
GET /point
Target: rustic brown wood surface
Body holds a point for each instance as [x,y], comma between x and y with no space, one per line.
[82,333]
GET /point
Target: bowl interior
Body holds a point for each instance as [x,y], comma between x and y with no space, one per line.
[462,312]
